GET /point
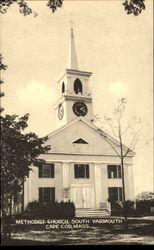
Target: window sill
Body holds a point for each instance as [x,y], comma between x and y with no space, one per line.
[46,177]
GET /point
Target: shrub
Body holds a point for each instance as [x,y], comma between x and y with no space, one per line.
[143,207]
[117,208]
[49,210]
[128,205]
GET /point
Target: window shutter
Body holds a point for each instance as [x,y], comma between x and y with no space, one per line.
[120,194]
[115,171]
[87,171]
[40,171]
[76,171]
[110,194]
[52,171]
[113,194]
[52,194]
[109,171]
[41,195]
[119,171]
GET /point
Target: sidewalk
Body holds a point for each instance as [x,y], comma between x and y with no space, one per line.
[149,218]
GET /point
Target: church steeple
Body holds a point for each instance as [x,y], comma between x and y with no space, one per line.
[72,60]
[75,93]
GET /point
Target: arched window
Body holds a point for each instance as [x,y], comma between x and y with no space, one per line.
[77,86]
[63,87]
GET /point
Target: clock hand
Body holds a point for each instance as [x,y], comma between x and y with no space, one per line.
[82,109]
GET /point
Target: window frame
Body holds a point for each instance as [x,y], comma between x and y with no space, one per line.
[78,171]
[117,174]
[41,191]
[52,171]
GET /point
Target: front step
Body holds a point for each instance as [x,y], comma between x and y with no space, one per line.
[83,212]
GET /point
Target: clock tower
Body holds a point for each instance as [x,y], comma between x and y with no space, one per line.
[75,94]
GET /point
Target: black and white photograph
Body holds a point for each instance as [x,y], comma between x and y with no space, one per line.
[76,122]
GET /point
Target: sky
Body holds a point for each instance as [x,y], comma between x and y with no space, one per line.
[117,48]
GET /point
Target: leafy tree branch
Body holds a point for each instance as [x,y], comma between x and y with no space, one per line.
[19,151]
[24,8]
[134,6]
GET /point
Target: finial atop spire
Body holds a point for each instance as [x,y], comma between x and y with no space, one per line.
[72,60]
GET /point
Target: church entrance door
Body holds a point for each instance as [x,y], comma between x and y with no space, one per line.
[82,196]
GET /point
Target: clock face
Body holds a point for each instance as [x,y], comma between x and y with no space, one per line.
[60,112]
[80,108]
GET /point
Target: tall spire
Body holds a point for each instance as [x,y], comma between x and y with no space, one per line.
[72,60]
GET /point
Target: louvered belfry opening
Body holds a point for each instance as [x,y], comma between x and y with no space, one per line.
[63,88]
[77,86]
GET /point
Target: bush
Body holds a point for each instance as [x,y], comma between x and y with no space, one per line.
[143,207]
[117,208]
[55,210]
[128,205]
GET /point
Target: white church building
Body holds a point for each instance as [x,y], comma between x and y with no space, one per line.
[81,166]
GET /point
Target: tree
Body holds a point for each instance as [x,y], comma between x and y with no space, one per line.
[24,9]
[19,151]
[145,196]
[131,6]
[54,4]
[119,128]
[23,6]
[2,68]
[134,6]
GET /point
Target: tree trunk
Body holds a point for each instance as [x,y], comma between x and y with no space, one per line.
[22,196]
[10,218]
[2,214]
[124,196]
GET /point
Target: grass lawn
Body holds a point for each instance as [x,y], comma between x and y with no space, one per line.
[140,232]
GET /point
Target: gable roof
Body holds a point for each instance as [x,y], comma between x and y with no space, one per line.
[104,135]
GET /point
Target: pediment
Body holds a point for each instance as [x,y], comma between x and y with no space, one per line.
[82,137]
